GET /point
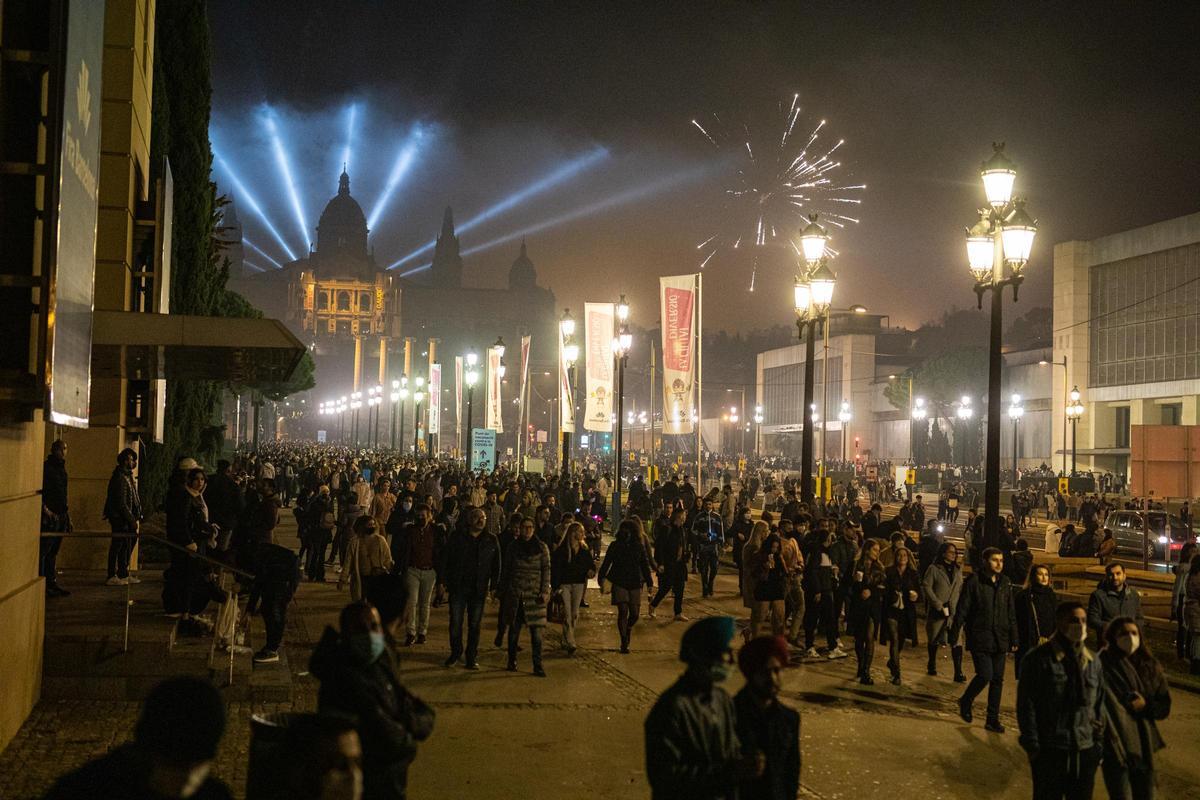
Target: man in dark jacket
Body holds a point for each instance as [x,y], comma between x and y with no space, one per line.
[1059,709]
[276,576]
[764,725]
[173,748]
[692,746]
[56,516]
[708,532]
[988,612]
[224,499]
[1113,598]
[358,680]
[671,555]
[472,570]
[123,510]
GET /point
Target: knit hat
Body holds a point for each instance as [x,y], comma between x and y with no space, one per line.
[753,657]
[706,640]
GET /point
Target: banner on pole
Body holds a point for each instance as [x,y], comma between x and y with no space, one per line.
[458,379]
[598,334]
[495,420]
[678,306]
[435,398]
[525,343]
[566,398]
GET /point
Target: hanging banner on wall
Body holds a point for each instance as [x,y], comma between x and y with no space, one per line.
[566,398]
[458,379]
[495,419]
[678,306]
[598,333]
[435,399]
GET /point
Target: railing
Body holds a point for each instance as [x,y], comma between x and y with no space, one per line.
[221,566]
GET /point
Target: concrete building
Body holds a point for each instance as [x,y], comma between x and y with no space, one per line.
[1127,328]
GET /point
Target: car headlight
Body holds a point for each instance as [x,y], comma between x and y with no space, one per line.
[1162,540]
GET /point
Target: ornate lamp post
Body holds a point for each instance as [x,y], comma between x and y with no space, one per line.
[758,421]
[418,396]
[399,395]
[1074,412]
[1015,412]
[355,405]
[621,345]
[570,354]
[964,413]
[812,298]
[844,418]
[1003,237]
[918,413]
[470,377]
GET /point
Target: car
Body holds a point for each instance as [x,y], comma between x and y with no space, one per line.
[1159,534]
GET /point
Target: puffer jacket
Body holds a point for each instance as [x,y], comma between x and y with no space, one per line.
[525,578]
[1043,713]
[987,611]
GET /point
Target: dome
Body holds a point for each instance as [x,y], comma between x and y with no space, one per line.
[343,227]
[522,275]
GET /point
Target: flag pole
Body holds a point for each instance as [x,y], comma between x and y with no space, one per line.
[699,381]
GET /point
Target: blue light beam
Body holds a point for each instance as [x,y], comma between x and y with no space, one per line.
[351,115]
[558,176]
[261,252]
[244,195]
[285,168]
[404,161]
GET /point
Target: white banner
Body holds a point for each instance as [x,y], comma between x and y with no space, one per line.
[525,342]
[566,398]
[598,354]
[435,399]
[458,384]
[678,308]
[495,419]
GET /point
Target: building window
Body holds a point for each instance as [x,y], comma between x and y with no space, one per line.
[1172,413]
[343,300]
[1121,423]
[323,301]
[364,301]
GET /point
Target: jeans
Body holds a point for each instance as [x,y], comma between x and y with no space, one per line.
[316,561]
[709,561]
[1124,783]
[514,636]
[774,611]
[120,551]
[48,552]
[1064,774]
[419,585]
[274,614]
[672,580]
[572,595]
[472,608]
[989,672]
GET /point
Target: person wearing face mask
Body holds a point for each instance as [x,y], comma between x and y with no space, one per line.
[692,747]
[764,725]
[1135,697]
[987,612]
[171,755]
[1060,709]
[1113,598]
[359,680]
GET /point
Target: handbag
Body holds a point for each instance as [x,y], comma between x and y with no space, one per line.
[556,610]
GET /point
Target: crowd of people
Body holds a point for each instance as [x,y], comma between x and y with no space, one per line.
[403,536]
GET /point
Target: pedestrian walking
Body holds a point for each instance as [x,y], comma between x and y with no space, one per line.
[1060,711]
[770,586]
[570,568]
[901,594]
[671,557]
[1113,598]
[758,535]
[1191,613]
[56,516]
[419,553]
[866,607]
[708,532]
[942,586]
[472,569]
[1036,604]
[822,581]
[1178,588]
[765,725]
[627,569]
[987,612]
[1136,697]
[525,582]
[367,556]
[692,747]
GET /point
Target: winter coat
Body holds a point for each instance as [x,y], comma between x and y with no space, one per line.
[276,576]
[987,611]
[1191,604]
[1106,604]
[390,720]
[121,504]
[942,589]
[844,554]
[671,547]
[691,744]
[748,558]
[1048,719]
[472,565]
[567,568]
[1036,607]
[774,732]
[1132,737]
[898,603]
[868,577]
[625,565]
[525,578]
[366,557]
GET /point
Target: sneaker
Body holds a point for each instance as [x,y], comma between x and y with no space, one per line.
[650,612]
[811,653]
[115,581]
[409,639]
[681,618]
[994,726]
[265,656]
[866,680]
[449,662]
[538,671]
[512,666]
[471,665]
[837,653]
[132,579]
[499,640]
[625,649]
[420,638]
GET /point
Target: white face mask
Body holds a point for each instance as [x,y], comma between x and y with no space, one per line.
[1129,643]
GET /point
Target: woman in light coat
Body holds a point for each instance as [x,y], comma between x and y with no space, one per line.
[942,586]
[367,555]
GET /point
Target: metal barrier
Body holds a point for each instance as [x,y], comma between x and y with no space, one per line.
[222,570]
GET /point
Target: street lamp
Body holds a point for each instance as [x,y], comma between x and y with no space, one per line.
[844,418]
[1074,412]
[918,414]
[621,345]
[470,377]
[1015,412]
[758,421]
[399,395]
[812,296]
[1066,419]
[570,354]
[418,396]
[1002,237]
[964,412]
[355,405]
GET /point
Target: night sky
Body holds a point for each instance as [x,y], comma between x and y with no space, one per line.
[1097,103]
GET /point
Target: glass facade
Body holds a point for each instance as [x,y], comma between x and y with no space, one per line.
[1144,325]
[783,391]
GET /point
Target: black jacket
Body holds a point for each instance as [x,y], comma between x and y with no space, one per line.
[987,610]
[567,569]
[276,575]
[774,732]
[626,565]
[390,720]
[671,546]
[121,505]
[1035,615]
[472,565]
[54,484]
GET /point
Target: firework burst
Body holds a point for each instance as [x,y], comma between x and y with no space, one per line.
[777,177]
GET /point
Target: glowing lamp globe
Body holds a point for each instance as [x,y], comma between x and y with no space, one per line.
[813,240]
[1017,236]
[998,173]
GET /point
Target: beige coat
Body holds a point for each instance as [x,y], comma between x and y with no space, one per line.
[365,556]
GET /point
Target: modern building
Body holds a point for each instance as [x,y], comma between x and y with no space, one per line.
[1127,328]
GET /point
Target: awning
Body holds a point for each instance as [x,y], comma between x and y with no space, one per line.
[1095,451]
[127,344]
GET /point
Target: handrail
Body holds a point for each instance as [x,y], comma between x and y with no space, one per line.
[162,540]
